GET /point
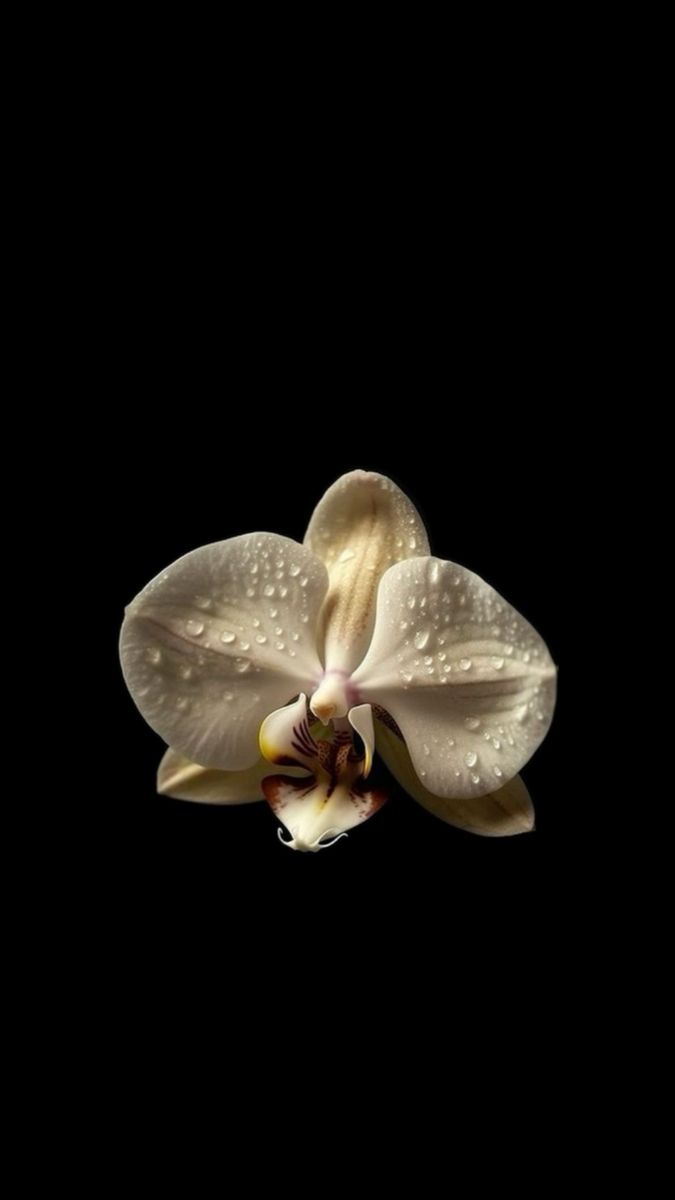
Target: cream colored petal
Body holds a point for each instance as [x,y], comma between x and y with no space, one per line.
[469,682]
[500,814]
[362,526]
[219,639]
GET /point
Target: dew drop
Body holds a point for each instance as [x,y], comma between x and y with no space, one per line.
[465,664]
[283,591]
[280,645]
[497,662]
[242,665]
[296,637]
[278,630]
[428,660]
[403,626]
[253,568]
[526,656]
[426,749]
[411,602]
[181,702]
[227,637]
[304,618]
[250,592]
[269,589]
[294,570]
[475,777]
[194,628]
[434,572]
[472,722]
[471,758]
[245,645]
[421,638]
[228,696]
[508,650]
[155,655]
[406,676]
[498,772]
[260,639]
[451,741]
[346,555]
[442,656]
[412,542]
[447,668]
[185,672]
[274,612]
[496,743]
[203,602]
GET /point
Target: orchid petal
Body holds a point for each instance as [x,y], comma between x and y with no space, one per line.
[222,636]
[361,720]
[185,780]
[285,738]
[316,813]
[363,525]
[502,813]
[467,679]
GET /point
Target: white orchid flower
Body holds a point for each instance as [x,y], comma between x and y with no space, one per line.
[258,650]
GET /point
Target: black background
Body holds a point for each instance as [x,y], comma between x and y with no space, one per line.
[242,349]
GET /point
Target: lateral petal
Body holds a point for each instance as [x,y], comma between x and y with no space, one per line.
[469,682]
[224,635]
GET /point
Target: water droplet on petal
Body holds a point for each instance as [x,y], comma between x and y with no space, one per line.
[434,572]
[280,645]
[185,672]
[471,758]
[274,612]
[294,570]
[194,628]
[465,664]
[526,656]
[245,645]
[227,637]
[496,743]
[250,592]
[472,722]
[228,696]
[260,639]
[475,777]
[346,555]
[421,638]
[426,749]
[242,664]
[497,662]
[283,591]
[269,589]
[498,772]
[296,637]
[428,660]
[411,602]
[413,543]
[155,655]
[406,676]
[203,602]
